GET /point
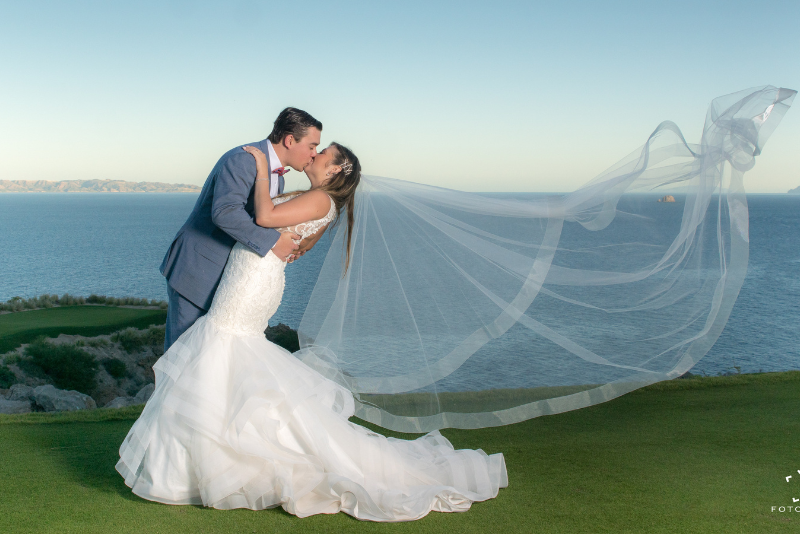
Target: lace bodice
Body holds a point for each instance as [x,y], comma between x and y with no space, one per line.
[251,286]
[307,228]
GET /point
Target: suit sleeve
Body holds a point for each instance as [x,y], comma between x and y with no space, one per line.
[231,191]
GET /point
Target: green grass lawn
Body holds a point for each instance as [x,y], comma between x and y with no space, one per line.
[698,455]
[22,327]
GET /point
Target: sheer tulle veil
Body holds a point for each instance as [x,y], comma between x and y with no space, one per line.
[472,310]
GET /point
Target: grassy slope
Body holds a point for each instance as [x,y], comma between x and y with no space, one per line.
[22,327]
[699,455]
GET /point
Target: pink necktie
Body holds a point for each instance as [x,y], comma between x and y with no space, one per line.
[281,171]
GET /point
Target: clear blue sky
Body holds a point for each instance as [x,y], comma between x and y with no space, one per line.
[492,96]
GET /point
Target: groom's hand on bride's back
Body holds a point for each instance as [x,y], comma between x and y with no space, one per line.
[285,247]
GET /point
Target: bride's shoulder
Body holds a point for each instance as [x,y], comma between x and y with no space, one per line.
[313,202]
[318,198]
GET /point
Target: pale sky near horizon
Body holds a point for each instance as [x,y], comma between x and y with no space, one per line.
[497,96]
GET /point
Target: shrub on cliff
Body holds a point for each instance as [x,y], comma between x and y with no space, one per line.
[283,336]
[125,301]
[7,377]
[17,304]
[132,340]
[116,368]
[66,365]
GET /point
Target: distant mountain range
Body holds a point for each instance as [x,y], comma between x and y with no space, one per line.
[93,186]
[795,191]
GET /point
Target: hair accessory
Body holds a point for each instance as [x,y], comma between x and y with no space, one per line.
[347,168]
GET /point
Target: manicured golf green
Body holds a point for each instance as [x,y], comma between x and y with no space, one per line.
[22,327]
[693,455]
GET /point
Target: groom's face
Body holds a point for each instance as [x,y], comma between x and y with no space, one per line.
[302,151]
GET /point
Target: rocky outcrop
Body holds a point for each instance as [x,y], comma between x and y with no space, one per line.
[21,392]
[51,399]
[138,365]
[134,387]
[146,365]
[93,186]
[15,406]
[18,399]
[121,402]
[105,393]
[667,198]
[144,394]
[141,398]
[22,398]
[795,191]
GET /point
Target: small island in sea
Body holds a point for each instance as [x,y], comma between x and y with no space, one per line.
[667,198]
[93,186]
[795,191]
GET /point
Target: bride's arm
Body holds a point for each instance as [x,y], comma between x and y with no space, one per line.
[303,208]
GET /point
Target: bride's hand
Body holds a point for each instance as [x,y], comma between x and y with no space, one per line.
[262,169]
[285,246]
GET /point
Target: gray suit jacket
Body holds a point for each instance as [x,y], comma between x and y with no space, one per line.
[223,215]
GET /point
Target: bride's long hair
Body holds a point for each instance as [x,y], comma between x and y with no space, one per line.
[342,189]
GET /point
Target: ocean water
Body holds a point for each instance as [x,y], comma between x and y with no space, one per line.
[110,244]
[113,244]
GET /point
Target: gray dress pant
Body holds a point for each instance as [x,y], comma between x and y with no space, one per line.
[181,314]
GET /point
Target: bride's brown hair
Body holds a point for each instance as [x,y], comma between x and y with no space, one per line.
[342,189]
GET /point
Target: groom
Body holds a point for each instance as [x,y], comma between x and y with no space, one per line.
[223,215]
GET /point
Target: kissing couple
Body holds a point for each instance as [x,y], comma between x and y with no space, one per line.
[236,421]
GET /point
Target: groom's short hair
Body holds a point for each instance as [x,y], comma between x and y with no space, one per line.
[292,121]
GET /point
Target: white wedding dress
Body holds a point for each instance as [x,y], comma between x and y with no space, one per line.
[236,421]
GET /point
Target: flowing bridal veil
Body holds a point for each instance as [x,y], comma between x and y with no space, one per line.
[472,310]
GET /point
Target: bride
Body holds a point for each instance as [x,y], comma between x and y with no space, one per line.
[236,421]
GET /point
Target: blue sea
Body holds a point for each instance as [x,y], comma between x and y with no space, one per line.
[113,244]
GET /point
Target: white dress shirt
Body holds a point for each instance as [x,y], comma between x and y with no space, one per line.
[274,163]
